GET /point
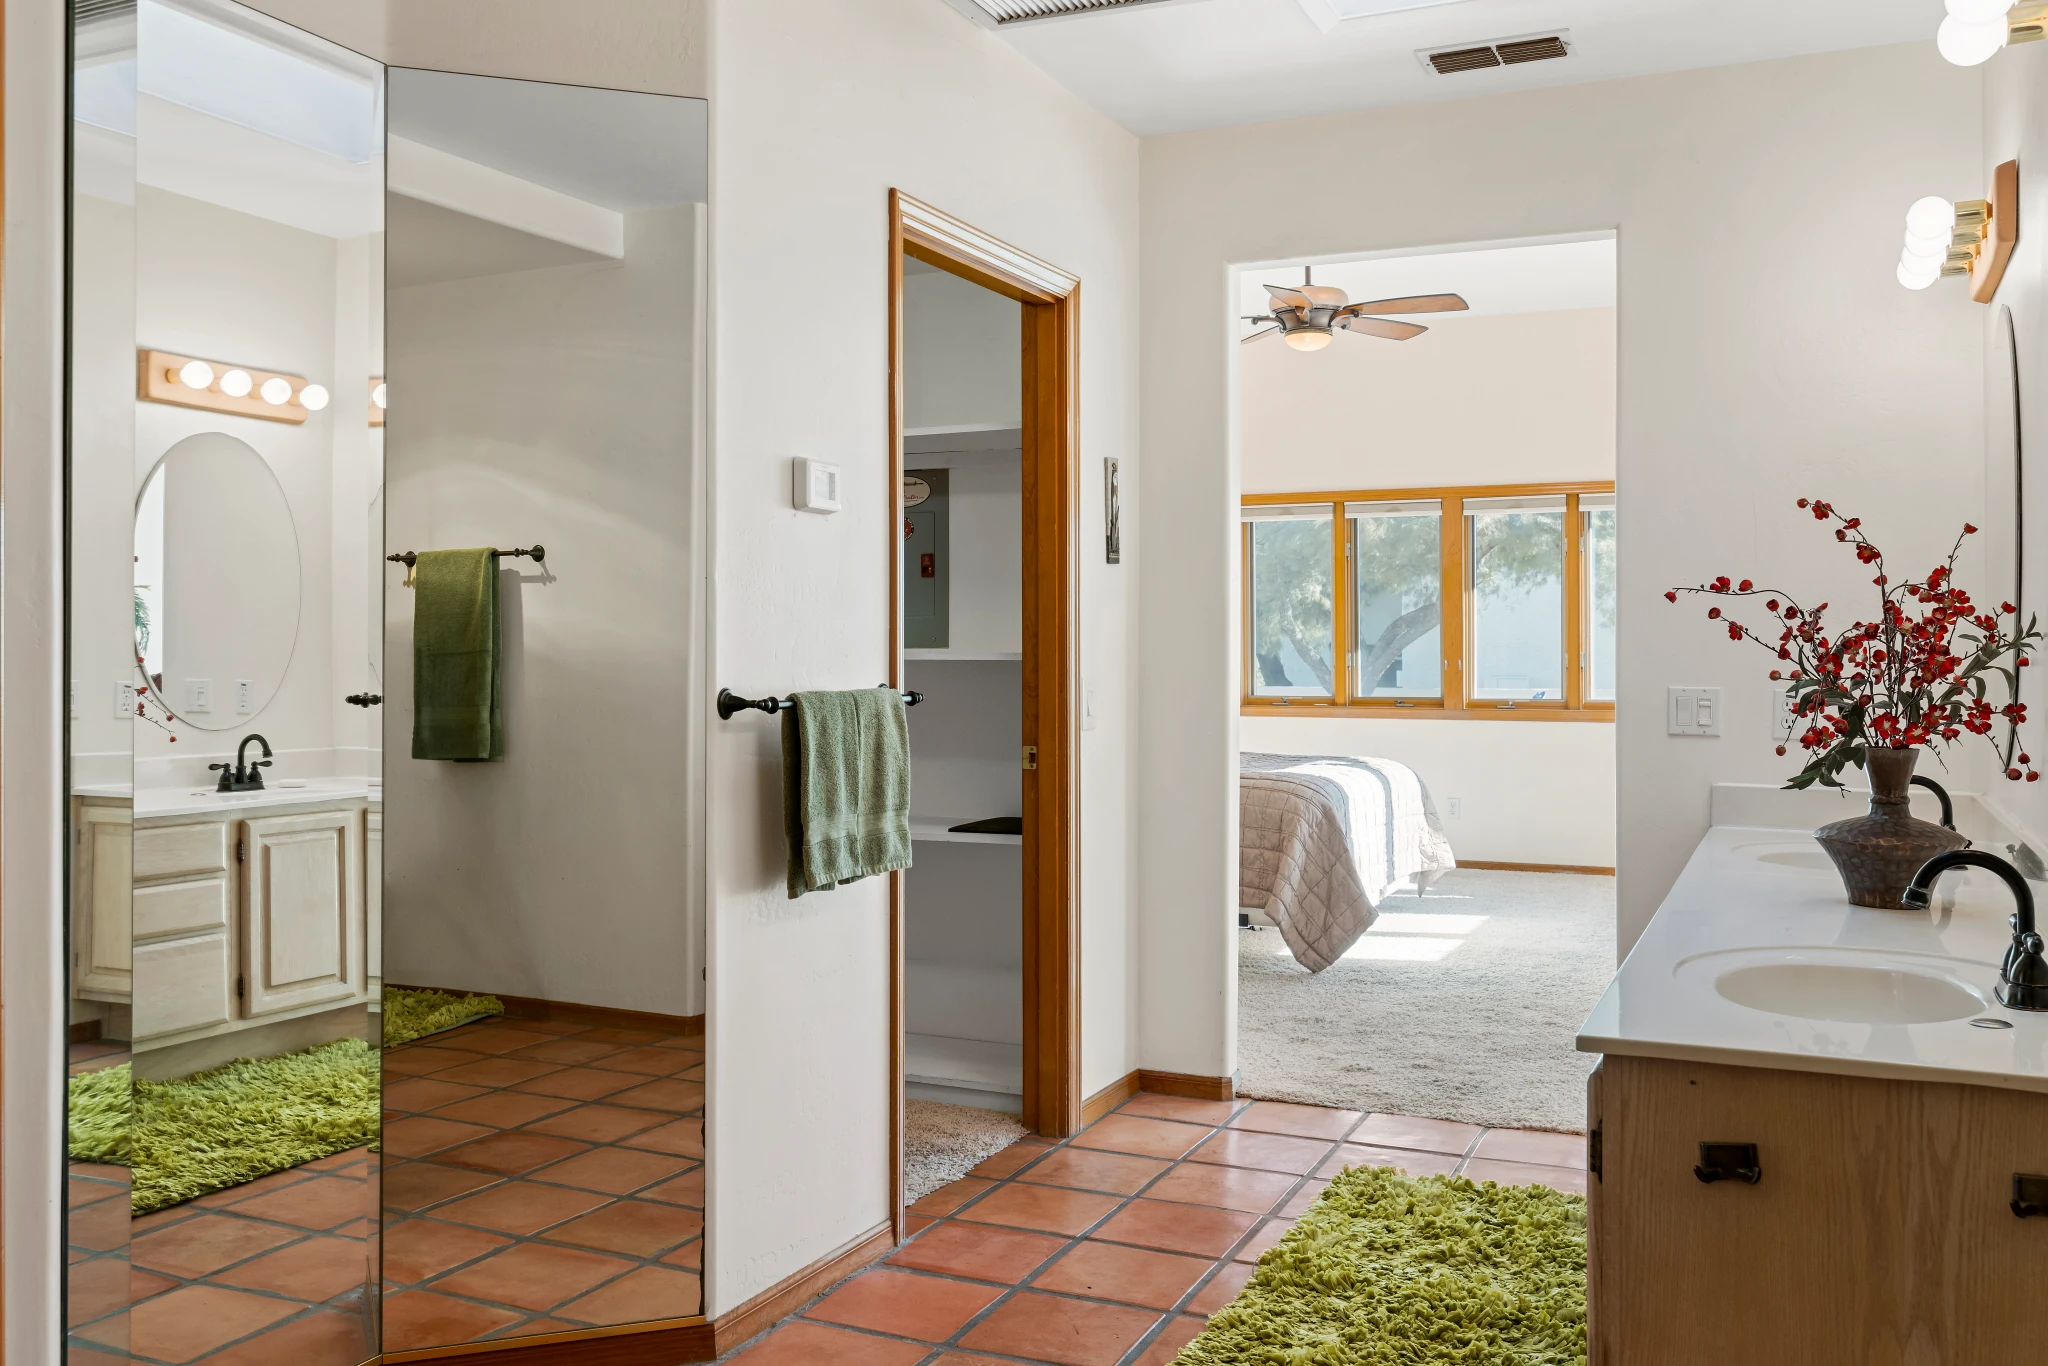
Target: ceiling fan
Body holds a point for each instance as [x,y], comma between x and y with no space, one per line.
[1309,316]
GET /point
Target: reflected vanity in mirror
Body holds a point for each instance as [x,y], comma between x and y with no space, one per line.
[374,1057]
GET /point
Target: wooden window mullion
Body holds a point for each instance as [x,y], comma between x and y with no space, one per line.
[1574,607]
[1452,594]
[1341,623]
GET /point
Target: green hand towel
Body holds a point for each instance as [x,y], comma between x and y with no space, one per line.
[455,656]
[845,787]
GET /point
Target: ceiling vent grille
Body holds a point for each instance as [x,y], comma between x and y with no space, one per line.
[1023,11]
[1542,47]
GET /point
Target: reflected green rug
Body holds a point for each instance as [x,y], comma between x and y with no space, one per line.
[230,1125]
[410,1015]
[1389,1270]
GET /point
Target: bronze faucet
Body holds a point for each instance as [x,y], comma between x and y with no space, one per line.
[2023,976]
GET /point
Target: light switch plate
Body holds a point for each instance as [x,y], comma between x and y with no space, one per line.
[245,696]
[816,486]
[1693,711]
[198,694]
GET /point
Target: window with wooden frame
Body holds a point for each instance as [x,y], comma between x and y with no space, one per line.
[1489,603]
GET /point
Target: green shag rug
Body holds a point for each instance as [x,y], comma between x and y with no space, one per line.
[410,1015]
[1389,1270]
[230,1125]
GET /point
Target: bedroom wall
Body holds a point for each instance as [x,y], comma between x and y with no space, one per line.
[1492,399]
[1749,373]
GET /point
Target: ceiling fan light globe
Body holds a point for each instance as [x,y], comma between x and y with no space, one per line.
[1970,44]
[1308,339]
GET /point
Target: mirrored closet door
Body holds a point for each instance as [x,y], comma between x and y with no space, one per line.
[385,913]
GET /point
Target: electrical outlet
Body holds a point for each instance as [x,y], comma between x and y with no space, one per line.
[1087,709]
[1693,711]
[1454,807]
[198,694]
[124,700]
[74,699]
[245,696]
[1782,719]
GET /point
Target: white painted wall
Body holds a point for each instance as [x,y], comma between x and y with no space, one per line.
[817,110]
[545,406]
[1749,373]
[1495,399]
[2016,126]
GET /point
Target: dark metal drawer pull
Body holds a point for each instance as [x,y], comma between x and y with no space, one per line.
[2029,1195]
[1728,1162]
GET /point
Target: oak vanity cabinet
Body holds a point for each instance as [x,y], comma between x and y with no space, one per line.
[1880,1230]
[247,919]
[101,939]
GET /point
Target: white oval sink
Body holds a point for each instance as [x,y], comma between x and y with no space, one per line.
[1846,994]
[1814,859]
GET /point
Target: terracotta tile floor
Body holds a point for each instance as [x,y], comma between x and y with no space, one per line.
[97,1274]
[540,1177]
[1113,1248]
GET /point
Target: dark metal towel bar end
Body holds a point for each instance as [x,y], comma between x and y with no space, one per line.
[536,553]
[730,702]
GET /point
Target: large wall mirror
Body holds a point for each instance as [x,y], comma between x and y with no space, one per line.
[386,915]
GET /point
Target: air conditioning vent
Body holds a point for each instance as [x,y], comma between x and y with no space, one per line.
[1538,47]
[1023,11]
[1463,59]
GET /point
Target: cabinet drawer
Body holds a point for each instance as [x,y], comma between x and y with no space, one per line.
[181,907]
[182,984]
[181,850]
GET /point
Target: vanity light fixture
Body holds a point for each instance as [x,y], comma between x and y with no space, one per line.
[1975,30]
[379,397]
[1973,237]
[244,391]
[313,397]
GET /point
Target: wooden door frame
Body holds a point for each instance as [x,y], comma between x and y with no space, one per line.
[1051,300]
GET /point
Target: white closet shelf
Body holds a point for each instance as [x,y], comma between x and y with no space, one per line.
[935,830]
[1017,655]
[970,1064]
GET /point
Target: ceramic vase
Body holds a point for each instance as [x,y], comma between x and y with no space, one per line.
[1878,853]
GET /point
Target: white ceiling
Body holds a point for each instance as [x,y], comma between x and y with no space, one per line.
[1185,64]
[1494,280]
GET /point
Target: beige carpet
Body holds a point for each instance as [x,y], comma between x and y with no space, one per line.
[942,1143]
[1460,1005]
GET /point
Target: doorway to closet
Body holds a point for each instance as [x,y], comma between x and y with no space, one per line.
[986,1009]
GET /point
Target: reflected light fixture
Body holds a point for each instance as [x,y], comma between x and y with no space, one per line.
[1975,30]
[313,398]
[379,397]
[242,390]
[1973,237]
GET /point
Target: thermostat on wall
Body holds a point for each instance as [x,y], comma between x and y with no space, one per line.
[817,485]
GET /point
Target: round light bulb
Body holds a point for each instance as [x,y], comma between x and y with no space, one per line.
[1978,11]
[236,383]
[313,398]
[276,390]
[378,396]
[195,374]
[1970,44]
[1925,249]
[1931,217]
[1913,276]
[1308,340]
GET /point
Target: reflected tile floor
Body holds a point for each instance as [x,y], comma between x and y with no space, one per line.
[540,1176]
[1113,1247]
[96,1241]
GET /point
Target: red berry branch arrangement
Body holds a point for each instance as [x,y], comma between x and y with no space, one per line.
[1916,676]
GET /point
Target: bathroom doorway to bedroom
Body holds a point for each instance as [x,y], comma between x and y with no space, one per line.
[1426,728]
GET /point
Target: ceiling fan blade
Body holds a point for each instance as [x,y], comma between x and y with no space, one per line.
[1414,303]
[1383,327]
[1287,297]
[1262,332]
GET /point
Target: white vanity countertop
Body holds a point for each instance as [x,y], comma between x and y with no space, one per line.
[1759,897]
[196,800]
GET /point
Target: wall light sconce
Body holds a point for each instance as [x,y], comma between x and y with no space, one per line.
[163,377]
[1974,237]
[379,400]
[1975,30]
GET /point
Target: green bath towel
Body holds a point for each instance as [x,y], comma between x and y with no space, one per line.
[845,787]
[455,656]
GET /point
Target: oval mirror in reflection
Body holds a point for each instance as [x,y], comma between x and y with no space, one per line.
[216,582]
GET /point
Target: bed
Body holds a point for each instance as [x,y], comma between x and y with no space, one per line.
[1322,841]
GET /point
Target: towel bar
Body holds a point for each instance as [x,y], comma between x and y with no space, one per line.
[536,553]
[730,702]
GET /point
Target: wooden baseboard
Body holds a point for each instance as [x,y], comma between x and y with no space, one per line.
[1192,1087]
[762,1311]
[1108,1098]
[637,1344]
[1586,868]
[572,1012]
